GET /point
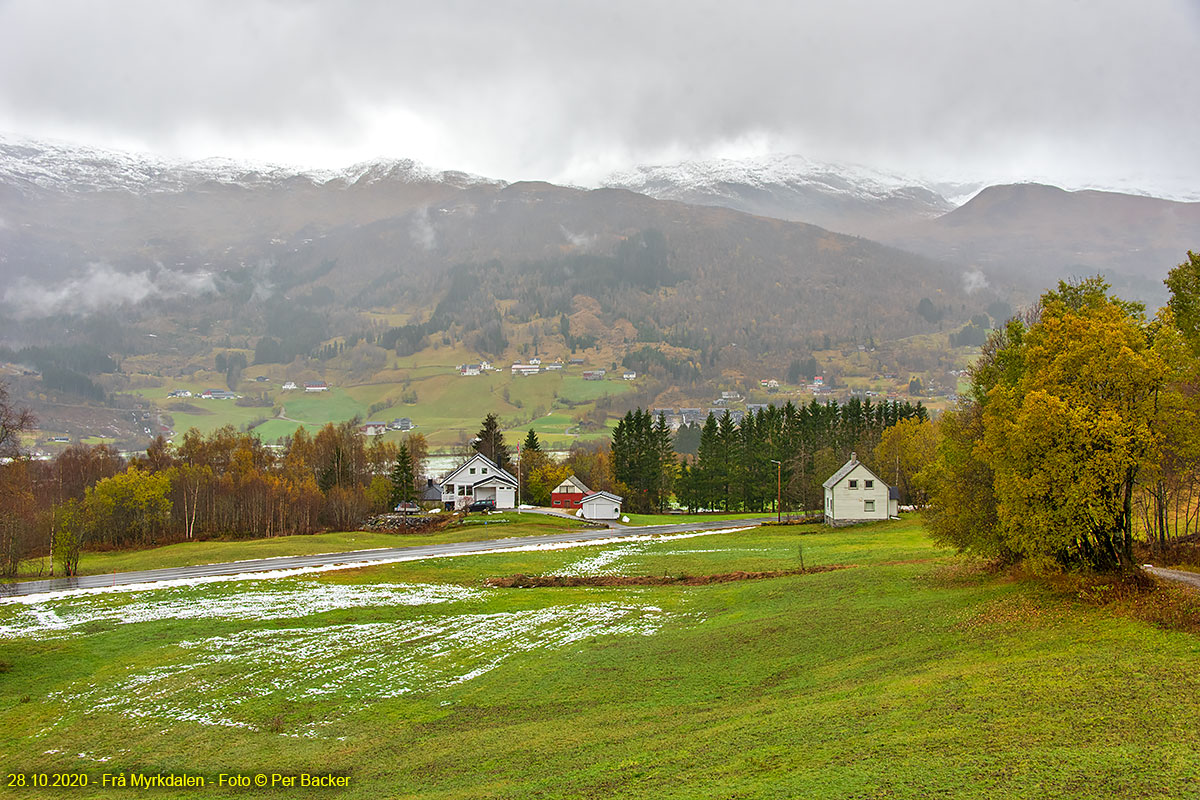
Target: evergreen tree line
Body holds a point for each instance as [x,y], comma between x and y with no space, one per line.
[780,452]
[784,453]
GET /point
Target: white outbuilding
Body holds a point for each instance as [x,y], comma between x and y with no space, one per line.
[601,505]
[855,494]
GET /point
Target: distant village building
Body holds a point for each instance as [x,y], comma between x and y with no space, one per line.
[217,394]
[316,386]
[535,362]
[478,478]
[576,362]
[373,428]
[629,376]
[569,494]
[730,396]
[555,365]
[525,369]
[601,505]
[290,386]
[856,494]
[593,374]
[401,424]
[470,369]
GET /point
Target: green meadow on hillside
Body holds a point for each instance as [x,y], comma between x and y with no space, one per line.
[911,673]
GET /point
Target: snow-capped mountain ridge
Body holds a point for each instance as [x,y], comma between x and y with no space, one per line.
[849,198]
[851,180]
[64,166]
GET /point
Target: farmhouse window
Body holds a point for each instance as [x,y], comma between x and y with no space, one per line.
[868,505]
[853,484]
[868,484]
[472,470]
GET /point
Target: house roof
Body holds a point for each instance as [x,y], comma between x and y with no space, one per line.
[578,484]
[615,498]
[836,477]
[502,478]
[477,459]
[433,492]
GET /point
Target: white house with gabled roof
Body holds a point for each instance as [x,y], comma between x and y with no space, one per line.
[856,494]
[478,478]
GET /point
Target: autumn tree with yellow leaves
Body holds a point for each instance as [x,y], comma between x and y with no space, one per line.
[1071,412]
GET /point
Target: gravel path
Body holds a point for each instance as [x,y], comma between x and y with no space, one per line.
[1178,575]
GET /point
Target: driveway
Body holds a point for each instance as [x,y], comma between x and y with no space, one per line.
[1177,575]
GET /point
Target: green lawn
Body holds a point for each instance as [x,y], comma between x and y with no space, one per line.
[577,390]
[473,527]
[913,674]
[672,519]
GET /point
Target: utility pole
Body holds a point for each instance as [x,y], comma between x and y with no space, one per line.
[778,490]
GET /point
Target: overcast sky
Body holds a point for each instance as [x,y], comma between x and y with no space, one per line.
[1089,92]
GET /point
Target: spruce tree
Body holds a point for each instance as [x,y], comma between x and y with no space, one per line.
[490,442]
[403,481]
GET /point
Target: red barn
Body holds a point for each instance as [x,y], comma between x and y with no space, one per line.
[568,494]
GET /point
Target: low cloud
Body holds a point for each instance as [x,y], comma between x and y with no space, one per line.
[101,288]
[974,280]
[580,241]
[422,232]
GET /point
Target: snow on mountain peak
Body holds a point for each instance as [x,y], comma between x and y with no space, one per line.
[767,173]
[64,166]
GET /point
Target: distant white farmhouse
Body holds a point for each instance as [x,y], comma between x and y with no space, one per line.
[601,505]
[373,428]
[290,386]
[855,494]
[478,478]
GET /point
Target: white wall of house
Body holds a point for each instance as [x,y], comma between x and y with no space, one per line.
[859,496]
[601,507]
[461,486]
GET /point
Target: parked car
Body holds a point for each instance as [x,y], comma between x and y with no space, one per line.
[482,505]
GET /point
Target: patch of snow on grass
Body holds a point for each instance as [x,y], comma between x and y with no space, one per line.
[220,680]
[55,619]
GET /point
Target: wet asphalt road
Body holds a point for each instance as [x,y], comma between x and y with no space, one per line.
[355,557]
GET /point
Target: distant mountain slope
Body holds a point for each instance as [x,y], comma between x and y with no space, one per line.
[485,254]
[63,206]
[1043,231]
[843,198]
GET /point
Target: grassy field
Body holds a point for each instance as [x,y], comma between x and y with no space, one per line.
[911,674]
[671,519]
[473,527]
